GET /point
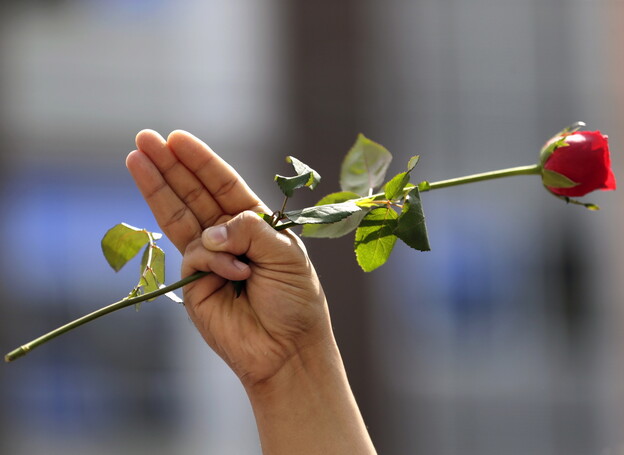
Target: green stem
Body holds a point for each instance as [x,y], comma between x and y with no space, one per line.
[26,348]
[520,170]
[423,186]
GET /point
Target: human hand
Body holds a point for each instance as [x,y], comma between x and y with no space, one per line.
[276,335]
[282,310]
[280,314]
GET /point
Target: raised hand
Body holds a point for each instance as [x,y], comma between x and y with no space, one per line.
[276,336]
[282,309]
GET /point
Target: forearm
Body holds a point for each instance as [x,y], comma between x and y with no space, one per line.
[308,408]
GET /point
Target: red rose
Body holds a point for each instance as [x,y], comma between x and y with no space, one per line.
[577,163]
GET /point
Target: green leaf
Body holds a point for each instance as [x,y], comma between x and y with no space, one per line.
[411,226]
[306,177]
[556,180]
[321,214]
[374,238]
[303,169]
[329,213]
[288,185]
[364,167]
[395,186]
[154,259]
[152,269]
[413,161]
[339,228]
[122,242]
[367,202]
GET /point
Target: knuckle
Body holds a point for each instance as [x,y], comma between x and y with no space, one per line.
[193,195]
[225,187]
[175,217]
[245,218]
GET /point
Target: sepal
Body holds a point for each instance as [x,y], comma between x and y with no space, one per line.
[558,140]
[556,180]
[569,200]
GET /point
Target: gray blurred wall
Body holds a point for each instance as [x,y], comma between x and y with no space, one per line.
[504,339]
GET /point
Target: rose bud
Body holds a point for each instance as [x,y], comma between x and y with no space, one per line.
[575,163]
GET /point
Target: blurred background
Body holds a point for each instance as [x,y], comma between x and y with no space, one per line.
[505,339]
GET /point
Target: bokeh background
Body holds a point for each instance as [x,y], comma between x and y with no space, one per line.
[505,339]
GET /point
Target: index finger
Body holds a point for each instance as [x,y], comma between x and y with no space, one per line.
[174,217]
[224,184]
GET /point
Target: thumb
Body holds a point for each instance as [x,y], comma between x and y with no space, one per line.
[250,235]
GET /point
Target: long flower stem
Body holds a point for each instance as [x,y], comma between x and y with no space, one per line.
[520,170]
[423,186]
[26,348]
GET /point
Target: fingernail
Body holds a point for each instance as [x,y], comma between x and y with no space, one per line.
[216,234]
[240,265]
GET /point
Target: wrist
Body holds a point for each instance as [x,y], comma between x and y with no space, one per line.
[319,359]
[308,406]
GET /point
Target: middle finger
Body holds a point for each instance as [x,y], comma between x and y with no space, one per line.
[182,181]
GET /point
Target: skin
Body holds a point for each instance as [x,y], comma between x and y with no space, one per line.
[277,335]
